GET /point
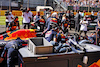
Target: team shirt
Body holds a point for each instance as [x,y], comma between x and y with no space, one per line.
[9,18]
[13,25]
[50,35]
[26,16]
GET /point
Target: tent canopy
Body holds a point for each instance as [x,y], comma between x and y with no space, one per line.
[38,8]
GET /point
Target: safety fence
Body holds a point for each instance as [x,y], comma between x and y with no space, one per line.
[84,8]
[19,13]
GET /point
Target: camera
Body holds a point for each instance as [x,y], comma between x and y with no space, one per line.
[6,13]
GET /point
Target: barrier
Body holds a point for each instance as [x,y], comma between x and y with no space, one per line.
[85,8]
[2,12]
[18,13]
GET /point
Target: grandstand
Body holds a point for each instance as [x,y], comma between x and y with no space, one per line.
[58,5]
[88,5]
[17,4]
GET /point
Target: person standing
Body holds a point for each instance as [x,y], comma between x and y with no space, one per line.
[83,27]
[13,25]
[9,48]
[42,23]
[26,19]
[9,17]
[98,15]
[36,19]
[52,34]
[47,21]
[65,24]
[71,16]
[53,22]
[77,22]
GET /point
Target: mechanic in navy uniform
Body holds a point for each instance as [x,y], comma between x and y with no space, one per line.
[47,21]
[65,24]
[13,25]
[53,21]
[36,19]
[42,23]
[52,34]
[9,48]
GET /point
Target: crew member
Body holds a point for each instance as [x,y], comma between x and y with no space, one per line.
[9,17]
[83,27]
[37,18]
[13,25]
[52,34]
[77,22]
[47,21]
[27,19]
[53,21]
[65,24]
[42,23]
[8,50]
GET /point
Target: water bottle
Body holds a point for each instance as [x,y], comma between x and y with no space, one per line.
[85,59]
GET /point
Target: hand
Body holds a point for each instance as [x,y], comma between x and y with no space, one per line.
[29,17]
[1,59]
[7,29]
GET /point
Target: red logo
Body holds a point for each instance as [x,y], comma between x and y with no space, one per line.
[79,65]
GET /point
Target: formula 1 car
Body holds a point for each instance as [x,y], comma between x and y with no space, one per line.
[23,34]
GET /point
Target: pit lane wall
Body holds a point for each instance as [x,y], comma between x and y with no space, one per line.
[60,60]
[19,13]
[28,58]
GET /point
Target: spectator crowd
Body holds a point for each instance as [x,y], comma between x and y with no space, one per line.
[84,3]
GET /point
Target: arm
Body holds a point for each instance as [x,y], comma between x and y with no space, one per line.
[7,28]
[81,21]
[37,20]
[98,23]
[23,15]
[47,22]
[12,17]
[6,17]
[55,39]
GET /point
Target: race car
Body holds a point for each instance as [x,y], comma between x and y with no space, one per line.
[7,36]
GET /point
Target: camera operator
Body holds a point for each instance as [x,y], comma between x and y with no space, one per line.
[9,17]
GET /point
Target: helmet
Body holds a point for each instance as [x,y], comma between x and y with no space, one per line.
[53,21]
[54,14]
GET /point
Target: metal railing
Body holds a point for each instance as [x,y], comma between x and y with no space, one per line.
[85,8]
[60,5]
[65,7]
